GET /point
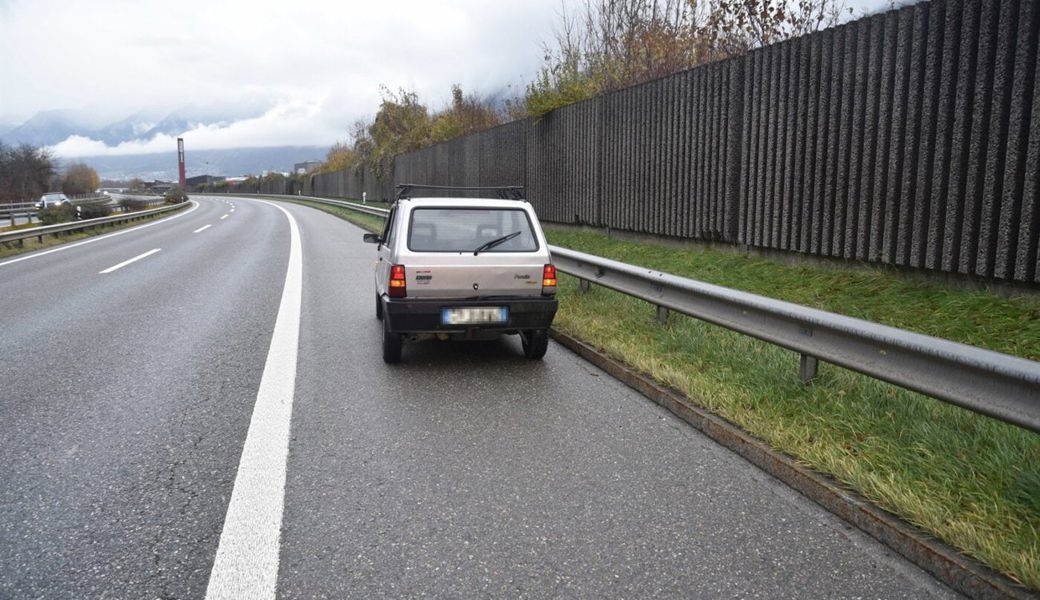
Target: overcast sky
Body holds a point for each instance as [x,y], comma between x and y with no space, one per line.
[308,68]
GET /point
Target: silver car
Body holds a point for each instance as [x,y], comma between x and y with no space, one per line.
[463,268]
[52,199]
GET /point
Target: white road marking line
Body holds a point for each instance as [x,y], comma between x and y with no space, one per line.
[127,262]
[246,564]
[194,206]
[224,217]
[201,229]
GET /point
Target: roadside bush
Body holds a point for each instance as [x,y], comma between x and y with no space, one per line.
[94,211]
[53,215]
[176,196]
[132,204]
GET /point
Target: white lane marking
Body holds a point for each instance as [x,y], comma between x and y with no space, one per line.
[246,565]
[224,217]
[195,205]
[203,228]
[127,262]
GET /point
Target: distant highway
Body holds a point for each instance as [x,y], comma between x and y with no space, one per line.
[17,220]
[198,408]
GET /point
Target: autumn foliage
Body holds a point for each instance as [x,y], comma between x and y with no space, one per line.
[606,45]
[403,123]
[339,157]
[612,44]
[79,179]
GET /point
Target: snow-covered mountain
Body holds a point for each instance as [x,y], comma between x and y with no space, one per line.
[54,127]
[7,124]
[134,127]
[51,127]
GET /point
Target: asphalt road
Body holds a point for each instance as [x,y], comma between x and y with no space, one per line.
[127,413]
[17,219]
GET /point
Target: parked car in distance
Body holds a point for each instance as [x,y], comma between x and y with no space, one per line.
[462,268]
[52,199]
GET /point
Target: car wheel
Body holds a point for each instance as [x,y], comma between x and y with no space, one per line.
[535,342]
[391,344]
[379,307]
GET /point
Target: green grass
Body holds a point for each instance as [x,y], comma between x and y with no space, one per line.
[979,318]
[969,480]
[365,221]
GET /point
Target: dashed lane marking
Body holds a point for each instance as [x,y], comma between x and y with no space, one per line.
[129,262]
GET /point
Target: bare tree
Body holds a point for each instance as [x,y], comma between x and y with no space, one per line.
[613,44]
[25,172]
[736,26]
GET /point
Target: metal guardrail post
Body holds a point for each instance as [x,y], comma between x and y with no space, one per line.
[808,368]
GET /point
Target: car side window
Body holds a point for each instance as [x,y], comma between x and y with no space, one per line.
[388,229]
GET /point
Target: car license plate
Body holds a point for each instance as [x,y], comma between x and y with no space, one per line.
[474,315]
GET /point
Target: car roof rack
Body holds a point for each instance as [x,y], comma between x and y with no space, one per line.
[505,192]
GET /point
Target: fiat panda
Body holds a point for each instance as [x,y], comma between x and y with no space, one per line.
[463,268]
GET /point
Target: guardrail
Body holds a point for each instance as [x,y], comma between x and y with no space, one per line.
[17,206]
[74,200]
[39,232]
[28,209]
[371,210]
[997,385]
[92,200]
[21,209]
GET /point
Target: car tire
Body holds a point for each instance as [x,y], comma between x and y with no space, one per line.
[391,344]
[379,307]
[535,342]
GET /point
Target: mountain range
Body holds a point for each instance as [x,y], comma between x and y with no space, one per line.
[231,162]
[51,127]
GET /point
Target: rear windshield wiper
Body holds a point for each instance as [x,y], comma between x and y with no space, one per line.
[495,242]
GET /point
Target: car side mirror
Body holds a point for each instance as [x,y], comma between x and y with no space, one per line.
[372,238]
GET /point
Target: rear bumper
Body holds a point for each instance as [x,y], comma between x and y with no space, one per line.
[421,315]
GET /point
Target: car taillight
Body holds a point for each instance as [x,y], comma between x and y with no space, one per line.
[397,287]
[548,280]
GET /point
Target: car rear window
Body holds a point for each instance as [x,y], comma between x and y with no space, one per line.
[466,229]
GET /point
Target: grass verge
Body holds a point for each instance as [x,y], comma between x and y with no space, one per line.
[969,480]
[365,221]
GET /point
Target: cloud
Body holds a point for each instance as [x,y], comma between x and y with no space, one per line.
[77,146]
[297,121]
[318,64]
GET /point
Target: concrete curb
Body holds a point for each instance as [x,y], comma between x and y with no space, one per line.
[959,572]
